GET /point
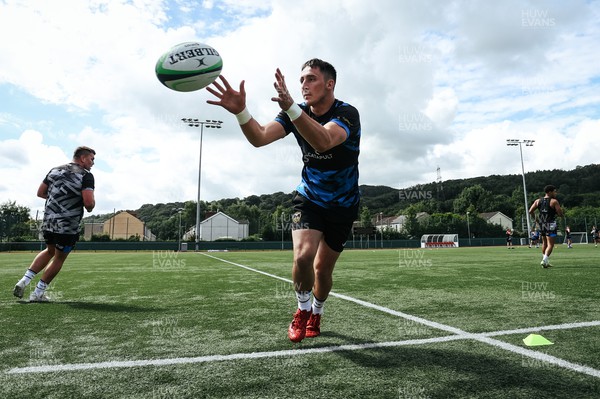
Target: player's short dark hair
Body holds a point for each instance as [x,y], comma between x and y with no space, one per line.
[549,188]
[83,150]
[325,67]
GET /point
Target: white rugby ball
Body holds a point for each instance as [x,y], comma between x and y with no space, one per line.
[189,66]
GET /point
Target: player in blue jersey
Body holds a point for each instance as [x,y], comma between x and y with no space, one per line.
[67,189]
[327,200]
[534,238]
[548,208]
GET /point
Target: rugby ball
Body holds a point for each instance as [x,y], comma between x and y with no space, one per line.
[189,66]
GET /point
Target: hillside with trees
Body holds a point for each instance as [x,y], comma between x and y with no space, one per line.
[447,203]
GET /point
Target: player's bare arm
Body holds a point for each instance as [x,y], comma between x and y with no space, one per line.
[557,207]
[235,102]
[321,137]
[42,191]
[533,207]
[89,202]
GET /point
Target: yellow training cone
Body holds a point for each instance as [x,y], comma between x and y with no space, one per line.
[536,340]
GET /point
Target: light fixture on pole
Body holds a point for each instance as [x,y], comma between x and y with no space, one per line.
[528,143]
[209,124]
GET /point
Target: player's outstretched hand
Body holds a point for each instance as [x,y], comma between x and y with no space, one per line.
[284,98]
[233,101]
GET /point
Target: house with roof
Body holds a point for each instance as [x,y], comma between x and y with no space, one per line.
[497,218]
[220,226]
[125,225]
[397,223]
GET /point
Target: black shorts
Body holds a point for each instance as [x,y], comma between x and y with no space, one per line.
[62,242]
[334,223]
[549,229]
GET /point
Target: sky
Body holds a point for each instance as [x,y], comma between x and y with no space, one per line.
[439,85]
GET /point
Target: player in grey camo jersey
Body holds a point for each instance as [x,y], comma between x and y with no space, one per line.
[67,189]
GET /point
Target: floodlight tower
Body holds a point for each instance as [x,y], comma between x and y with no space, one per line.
[179,211]
[528,143]
[209,124]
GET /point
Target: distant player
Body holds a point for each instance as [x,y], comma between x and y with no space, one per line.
[509,238]
[326,205]
[534,238]
[548,208]
[67,189]
[595,235]
[569,238]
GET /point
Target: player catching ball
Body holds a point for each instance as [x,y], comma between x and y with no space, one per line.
[327,200]
[548,208]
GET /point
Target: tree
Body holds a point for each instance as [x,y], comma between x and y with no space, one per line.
[412,228]
[15,222]
[480,198]
[242,211]
[280,225]
[365,217]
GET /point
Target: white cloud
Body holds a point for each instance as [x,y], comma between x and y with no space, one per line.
[436,85]
[24,163]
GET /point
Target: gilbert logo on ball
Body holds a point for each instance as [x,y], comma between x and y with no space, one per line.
[189,66]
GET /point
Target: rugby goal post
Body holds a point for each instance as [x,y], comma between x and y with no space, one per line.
[439,241]
[577,237]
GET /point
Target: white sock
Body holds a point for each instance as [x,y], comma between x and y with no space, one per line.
[303,300]
[29,275]
[545,258]
[40,288]
[317,306]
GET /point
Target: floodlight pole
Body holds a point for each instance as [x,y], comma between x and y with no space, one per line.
[468,228]
[179,211]
[380,228]
[528,143]
[209,124]
[282,229]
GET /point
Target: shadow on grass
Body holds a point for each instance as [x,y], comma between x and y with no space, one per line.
[455,373]
[96,306]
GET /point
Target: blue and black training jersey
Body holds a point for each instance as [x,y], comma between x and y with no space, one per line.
[547,213]
[330,179]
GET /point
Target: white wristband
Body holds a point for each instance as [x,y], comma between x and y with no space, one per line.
[294,112]
[244,116]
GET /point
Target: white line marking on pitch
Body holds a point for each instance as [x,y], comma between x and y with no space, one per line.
[218,358]
[433,324]
[458,334]
[565,326]
[485,338]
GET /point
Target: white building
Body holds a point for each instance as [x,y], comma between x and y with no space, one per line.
[497,218]
[397,222]
[219,226]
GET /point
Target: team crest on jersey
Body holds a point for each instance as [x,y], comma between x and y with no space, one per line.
[296,217]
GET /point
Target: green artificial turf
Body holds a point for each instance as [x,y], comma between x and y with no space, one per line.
[146,306]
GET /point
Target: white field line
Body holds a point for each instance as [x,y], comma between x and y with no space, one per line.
[485,338]
[566,326]
[458,334]
[357,301]
[220,358]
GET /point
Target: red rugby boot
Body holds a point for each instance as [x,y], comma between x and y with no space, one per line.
[297,329]
[313,327]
